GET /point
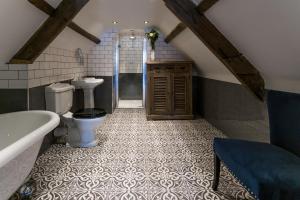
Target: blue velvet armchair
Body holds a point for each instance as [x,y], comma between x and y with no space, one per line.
[267,171]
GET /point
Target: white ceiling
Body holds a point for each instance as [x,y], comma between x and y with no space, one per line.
[98,15]
[266,32]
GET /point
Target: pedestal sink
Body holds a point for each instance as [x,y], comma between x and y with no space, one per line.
[88,85]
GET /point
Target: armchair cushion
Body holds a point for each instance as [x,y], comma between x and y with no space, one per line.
[266,170]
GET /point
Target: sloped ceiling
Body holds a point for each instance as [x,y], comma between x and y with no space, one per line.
[19,20]
[266,32]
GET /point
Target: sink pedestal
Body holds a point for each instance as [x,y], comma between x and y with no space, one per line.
[89,98]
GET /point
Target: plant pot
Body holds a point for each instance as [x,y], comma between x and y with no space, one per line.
[152,55]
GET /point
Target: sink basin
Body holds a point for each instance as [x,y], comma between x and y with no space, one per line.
[88,85]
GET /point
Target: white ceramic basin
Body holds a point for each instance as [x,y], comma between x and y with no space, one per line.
[87,83]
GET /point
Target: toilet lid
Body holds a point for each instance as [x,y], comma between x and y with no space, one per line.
[89,113]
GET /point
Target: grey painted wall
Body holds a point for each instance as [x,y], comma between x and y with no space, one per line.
[12,100]
[37,102]
[37,98]
[131,86]
[104,94]
[231,108]
[114,92]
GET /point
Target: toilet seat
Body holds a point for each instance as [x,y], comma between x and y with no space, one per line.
[89,113]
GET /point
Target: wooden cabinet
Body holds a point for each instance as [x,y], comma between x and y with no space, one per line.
[169,90]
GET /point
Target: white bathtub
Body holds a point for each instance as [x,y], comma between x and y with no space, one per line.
[21,135]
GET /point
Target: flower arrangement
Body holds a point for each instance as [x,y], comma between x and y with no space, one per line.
[152,36]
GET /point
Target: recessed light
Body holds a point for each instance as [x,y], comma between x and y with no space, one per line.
[146,22]
[115,22]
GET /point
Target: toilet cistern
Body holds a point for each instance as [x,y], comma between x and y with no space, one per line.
[88,85]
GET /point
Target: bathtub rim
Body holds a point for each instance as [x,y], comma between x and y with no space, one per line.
[13,150]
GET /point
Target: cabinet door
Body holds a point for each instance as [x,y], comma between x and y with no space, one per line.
[181,84]
[160,96]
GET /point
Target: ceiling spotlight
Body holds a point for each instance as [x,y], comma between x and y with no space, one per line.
[115,22]
[146,22]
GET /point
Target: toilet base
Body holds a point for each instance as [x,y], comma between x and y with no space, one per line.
[82,145]
[82,132]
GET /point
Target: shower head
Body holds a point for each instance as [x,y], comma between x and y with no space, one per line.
[132,36]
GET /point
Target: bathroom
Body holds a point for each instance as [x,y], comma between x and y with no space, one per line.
[109,99]
[58,81]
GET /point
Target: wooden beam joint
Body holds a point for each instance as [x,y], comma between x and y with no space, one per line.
[201,9]
[178,29]
[48,9]
[223,49]
[49,30]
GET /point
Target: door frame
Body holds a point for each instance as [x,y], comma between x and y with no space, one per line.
[144,71]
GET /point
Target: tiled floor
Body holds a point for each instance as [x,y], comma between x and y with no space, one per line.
[130,104]
[137,159]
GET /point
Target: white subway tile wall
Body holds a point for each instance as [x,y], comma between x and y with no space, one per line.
[131,53]
[55,65]
[13,76]
[101,58]
[102,61]
[164,51]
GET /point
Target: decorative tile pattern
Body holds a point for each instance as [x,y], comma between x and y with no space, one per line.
[137,159]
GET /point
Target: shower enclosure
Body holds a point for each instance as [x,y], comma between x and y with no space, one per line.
[130,72]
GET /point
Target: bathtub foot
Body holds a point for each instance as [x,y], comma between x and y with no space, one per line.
[25,192]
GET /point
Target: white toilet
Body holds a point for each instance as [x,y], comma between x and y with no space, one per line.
[82,124]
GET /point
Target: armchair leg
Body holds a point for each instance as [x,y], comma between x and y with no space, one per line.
[217,163]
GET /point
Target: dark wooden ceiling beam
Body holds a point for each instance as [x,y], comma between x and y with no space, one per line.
[49,30]
[178,29]
[48,9]
[222,48]
[43,6]
[202,7]
[205,5]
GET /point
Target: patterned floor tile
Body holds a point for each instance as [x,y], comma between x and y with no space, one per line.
[137,159]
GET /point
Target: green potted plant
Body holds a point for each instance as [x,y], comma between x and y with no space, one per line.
[152,36]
